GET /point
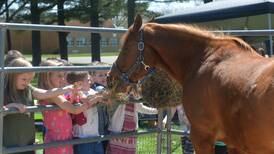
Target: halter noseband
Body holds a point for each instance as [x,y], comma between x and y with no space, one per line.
[124,76]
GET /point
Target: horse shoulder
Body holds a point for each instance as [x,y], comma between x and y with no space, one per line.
[264,83]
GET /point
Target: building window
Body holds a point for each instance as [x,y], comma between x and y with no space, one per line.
[81,42]
[114,42]
[70,41]
[89,43]
[103,42]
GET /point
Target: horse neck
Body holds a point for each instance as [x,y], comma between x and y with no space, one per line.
[178,52]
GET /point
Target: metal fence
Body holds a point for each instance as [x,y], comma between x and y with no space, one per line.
[154,133]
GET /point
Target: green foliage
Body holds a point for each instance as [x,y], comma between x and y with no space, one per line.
[107,9]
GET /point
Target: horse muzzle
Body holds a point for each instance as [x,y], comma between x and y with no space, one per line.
[116,84]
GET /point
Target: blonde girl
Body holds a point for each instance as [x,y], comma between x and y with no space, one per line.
[19,94]
[58,123]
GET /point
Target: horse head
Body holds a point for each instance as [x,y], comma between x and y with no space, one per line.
[133,62]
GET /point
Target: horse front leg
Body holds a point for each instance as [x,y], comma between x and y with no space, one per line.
[203,143]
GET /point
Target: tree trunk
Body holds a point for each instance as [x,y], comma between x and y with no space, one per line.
[8,40]
[36,42]
[62,35]
[207,1]
[95,37]
[130,12]
[8,31]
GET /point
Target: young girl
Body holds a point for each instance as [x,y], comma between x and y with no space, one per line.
[125,118]
[19,94]
[58,123]
[90,128]
[12,54]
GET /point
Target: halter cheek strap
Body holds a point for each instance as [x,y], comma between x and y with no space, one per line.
[125,76]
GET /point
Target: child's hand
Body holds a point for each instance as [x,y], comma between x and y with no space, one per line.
[89,103]
[103,98]
[69,88]
[72,88]
[18,106]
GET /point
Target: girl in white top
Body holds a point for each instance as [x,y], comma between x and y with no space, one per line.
[124,119]
[91,127]
[117,120]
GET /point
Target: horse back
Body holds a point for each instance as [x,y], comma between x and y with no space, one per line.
[245,87]
[235,97]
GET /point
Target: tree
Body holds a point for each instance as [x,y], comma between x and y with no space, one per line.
[95,11]
[35,35]
[8,31]
[95,37]
[36,12]
[5,7]
[62,35]
[59,16]
[131,11]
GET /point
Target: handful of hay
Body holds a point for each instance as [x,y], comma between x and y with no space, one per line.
[159,90]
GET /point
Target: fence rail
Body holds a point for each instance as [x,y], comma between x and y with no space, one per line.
[59,28]
[53,68]
[78,141]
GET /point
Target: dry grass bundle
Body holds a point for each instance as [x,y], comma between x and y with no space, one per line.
[160,90]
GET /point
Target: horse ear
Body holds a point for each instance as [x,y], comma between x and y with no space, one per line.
[137,23]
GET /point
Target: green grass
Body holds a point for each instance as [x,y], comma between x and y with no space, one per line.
[39,140]
[147,144]
[38,116]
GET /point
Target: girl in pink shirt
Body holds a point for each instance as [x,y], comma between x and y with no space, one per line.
[58,123]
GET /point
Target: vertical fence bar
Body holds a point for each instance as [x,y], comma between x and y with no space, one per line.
[2,51]
[160,134]
[168,135]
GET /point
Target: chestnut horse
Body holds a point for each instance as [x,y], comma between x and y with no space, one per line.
[228,87]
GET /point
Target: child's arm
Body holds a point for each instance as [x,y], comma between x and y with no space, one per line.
[145,109]
[42,94]
[69,107]
[93,100]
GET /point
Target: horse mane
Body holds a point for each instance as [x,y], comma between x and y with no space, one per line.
[208,34]
[219,36]
[240,43]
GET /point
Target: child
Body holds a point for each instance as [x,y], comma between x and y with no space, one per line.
[125,118]
[99,84]
[90,128]
[12,54]
[19,94]
[58,123]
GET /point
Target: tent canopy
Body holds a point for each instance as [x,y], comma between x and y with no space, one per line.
[220,10]
[230,15]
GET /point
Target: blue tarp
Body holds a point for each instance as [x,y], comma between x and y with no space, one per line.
[220,10]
